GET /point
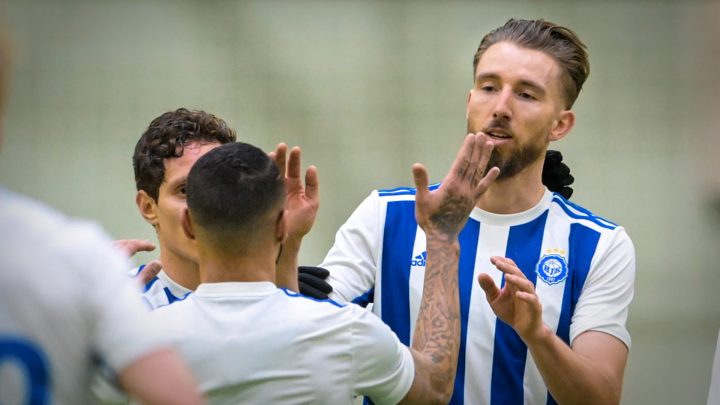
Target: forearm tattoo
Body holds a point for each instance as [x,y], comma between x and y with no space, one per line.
[438,327]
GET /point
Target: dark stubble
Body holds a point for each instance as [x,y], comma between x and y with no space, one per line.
[518,159]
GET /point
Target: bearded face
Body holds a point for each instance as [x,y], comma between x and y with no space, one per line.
[511,156]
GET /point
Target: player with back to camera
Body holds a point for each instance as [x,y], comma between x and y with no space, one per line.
[250,341]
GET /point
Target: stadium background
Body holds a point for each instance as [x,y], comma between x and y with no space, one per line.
[368,88]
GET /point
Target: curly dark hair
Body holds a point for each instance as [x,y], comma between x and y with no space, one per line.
[166,137]
[559,42]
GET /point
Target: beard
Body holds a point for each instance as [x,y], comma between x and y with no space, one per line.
[511,160]
[518,159]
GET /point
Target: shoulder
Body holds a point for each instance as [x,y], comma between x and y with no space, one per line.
[401,193]
[304,300]
[577,213]
[31,229]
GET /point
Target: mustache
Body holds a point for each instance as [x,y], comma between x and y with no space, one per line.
[497,124]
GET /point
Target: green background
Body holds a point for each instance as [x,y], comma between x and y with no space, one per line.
[367,89]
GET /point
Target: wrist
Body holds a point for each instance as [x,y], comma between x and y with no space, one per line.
[538,337]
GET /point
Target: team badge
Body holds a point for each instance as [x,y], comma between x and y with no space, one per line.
[552,269]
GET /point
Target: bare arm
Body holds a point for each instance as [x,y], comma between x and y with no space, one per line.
[442,215]
[588,373]
[302,204]
[160,378]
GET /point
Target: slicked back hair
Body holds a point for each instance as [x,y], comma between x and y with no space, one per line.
[561,43]
[166,138]
[232,189]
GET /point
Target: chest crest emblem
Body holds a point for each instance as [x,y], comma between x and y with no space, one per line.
[552,269]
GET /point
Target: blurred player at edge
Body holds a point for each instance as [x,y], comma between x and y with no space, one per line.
[56,321]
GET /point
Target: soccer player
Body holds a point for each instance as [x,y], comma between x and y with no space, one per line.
[162,159]
[56,320]
[251,342]
[546,320]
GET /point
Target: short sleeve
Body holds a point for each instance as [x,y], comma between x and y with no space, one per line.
[608,290]
[714,394]
[123,332]
[383,367]
[352,260]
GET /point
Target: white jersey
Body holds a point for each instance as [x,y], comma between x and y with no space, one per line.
[65,304]
[161,290]
[714,394]
[583,268]
[253,343]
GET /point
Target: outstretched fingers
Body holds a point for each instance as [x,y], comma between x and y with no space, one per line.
[279,156]
[506,265]
[488,285]
[486,176]
[420,176]
[132,246]
[312,184]
[148,272]
[461,165]
[294,163]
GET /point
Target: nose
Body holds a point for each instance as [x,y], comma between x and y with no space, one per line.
[502,108]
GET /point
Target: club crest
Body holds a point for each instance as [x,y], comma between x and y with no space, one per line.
[552,269]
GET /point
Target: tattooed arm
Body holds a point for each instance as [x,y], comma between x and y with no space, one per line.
[442,215]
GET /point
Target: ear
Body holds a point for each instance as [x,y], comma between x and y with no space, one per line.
[467,105]
[564,123]
[147,206]
[281,228]
[186,224]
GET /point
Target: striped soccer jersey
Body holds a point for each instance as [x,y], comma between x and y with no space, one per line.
[161,290]
[583,268]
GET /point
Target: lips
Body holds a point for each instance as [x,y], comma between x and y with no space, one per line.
[497,133]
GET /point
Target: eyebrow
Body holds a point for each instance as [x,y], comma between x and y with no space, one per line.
[523,82]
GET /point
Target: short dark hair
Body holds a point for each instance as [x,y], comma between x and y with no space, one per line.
[232,188]
[559,42]
[166,138]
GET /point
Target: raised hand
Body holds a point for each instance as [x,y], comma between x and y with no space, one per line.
[556,174]
[302,201]
[516,303]
[444,211]
[313,282]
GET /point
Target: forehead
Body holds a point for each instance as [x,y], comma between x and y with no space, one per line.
[177,169]
[512,62]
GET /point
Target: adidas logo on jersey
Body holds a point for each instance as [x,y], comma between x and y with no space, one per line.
[419,261]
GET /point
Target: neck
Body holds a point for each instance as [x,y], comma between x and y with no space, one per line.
[180,270]
[217,266]
[516,194]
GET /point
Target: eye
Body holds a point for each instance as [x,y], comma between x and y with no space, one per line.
[526,96]
[487,88]
[181,190]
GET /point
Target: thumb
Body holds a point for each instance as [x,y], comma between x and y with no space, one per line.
[420,176]
[488,285]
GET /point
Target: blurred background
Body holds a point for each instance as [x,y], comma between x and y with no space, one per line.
[367,89]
